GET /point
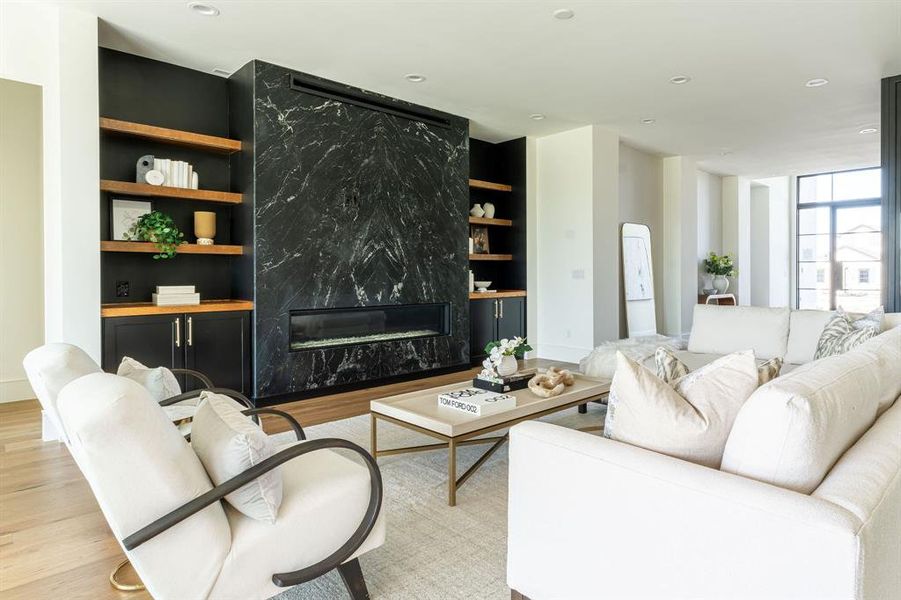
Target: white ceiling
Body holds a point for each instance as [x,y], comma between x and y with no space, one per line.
[746,110]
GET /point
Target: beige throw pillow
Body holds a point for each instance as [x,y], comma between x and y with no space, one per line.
[670,368]
[228,443]
[690,421]
[159,381]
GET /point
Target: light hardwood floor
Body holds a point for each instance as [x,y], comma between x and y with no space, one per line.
[54,541]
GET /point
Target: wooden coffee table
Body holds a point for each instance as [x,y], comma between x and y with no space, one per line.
[419,411]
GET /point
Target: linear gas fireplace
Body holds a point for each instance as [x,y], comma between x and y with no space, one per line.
[328,328]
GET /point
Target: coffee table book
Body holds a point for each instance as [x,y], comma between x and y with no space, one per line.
[475,401]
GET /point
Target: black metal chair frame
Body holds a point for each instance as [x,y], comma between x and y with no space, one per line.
[350,571]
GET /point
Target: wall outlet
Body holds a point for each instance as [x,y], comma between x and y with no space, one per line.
[121,289]
[579,274]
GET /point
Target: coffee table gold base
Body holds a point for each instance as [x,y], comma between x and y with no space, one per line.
[452,443]
[124,587]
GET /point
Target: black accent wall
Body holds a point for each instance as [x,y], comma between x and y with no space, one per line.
[133,88]
[345,206]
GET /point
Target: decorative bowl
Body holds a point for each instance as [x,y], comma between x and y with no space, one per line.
[482,286]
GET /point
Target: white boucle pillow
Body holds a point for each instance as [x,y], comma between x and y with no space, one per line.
[228,443]
[691,419]
[159,381]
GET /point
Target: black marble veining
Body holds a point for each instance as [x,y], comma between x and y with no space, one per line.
[346,206]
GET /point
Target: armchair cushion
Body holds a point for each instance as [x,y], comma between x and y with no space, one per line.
[228,443]
[159,381]
[325,497]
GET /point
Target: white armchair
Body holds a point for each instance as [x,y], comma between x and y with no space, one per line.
[182,540]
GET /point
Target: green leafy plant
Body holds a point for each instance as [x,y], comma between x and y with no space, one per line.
[517,347]
[160,229]
[719,265]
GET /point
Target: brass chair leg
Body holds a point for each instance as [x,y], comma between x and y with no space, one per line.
[123,587]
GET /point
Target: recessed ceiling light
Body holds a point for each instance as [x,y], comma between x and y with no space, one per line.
[818,82]
[414,77]
[207,10]
[680,79]
[725,152]
[223,72]
[536,117]
[648,121]
[868,130]
[564,14]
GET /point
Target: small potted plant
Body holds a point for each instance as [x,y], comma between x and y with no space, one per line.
[160,229]
[503,354]
[720,267]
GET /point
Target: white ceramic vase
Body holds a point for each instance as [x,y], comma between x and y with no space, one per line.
[721,284]
[508,366]
[707,282]
[477,210]
[489,210]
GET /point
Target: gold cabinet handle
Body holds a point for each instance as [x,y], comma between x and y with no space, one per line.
[495,309]
[502,308]
[190,331]
[178,333]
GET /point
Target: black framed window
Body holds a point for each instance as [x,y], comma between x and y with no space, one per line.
[839,245]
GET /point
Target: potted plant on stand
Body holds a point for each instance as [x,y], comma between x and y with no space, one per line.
[721,267]
[503,356]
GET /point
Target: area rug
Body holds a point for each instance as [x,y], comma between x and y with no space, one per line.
[432,550]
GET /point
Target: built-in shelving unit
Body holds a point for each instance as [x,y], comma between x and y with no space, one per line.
[177,137]
[150,248]
[163,191]
[497,294]
[488,185]
[140,309]
[487,221]
[494,257]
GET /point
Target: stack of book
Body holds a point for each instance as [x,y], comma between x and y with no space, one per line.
[476,402]
[172,295]
[176,173]
[501,385]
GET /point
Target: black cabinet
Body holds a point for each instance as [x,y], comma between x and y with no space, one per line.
[217,344]
[494,319]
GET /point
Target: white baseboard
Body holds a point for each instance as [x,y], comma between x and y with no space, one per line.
[570,354]
[13,390]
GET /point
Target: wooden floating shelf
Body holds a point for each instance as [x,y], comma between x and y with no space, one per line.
[164,191]
[488,185]
[490,257]
[486,221]
[178,137]
[149,247]
[497,294]
[138,309]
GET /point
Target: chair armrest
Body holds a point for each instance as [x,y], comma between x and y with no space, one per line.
[219,492]
[194,393]
[206,381]
[699,532]
[298,430]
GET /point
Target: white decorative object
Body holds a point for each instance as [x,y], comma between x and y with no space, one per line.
[124,215]
[638,279]
[154,177]
[472,283]
[471,245]
[477,211]
[721,284]
[489,210]
[476,401]
[483,286]
[507,366]
[551,383]
[195,181]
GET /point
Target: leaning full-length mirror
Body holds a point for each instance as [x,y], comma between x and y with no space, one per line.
[638,280]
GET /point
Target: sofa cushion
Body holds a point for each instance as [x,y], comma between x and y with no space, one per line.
[159,381]
[885,352]
[228,443]
[690,421]
[804,332]
[727,329]
[140,468]
[791,431]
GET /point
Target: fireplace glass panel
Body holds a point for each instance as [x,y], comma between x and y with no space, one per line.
[326,328]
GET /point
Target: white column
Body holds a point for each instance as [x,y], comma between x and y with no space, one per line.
[760,245]
[680,234]
[606,239]
[737,233]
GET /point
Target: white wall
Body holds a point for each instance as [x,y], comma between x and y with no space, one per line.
[641,201]
[56,48]
[21,223]
[606,243]
[680,230]
[736,233]
[710,218]
[760,245]
[780,241]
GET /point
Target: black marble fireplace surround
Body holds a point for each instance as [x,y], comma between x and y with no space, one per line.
[351,200]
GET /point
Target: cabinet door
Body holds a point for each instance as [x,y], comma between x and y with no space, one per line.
[218,345]
[511,320]
[156,341]
[482,326]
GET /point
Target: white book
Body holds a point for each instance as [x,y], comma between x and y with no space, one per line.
[183,179]
[175,289]
[195,181]
[180,178]
[190,176]
[175,299]
[476,402]
[167,171]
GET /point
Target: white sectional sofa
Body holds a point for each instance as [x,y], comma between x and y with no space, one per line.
[590,517]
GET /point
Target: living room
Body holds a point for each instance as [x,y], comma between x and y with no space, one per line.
[362,299]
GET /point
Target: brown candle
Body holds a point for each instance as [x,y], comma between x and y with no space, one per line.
[205,227]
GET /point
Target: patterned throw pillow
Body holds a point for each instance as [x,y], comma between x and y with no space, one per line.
[871,319]
[841,335]
[670,368]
